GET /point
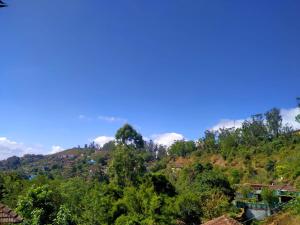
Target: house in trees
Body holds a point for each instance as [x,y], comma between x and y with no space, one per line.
[254,204]
[7,216]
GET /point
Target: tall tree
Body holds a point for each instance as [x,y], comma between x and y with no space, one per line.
[274,122]
[254,130]
[126,166]
[127,135]
[228,140]
[209,140]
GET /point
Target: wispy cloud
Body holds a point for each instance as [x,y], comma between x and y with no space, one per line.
[84,117]
[108,119]
[112,119]
[288,118]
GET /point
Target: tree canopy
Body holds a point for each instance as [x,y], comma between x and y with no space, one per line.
[127,135]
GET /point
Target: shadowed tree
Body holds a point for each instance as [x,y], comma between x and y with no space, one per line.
[127,135]
[209,141]
[2,188]
[274,122]
[254,130]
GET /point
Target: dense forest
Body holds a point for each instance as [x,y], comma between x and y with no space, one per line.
[136,182]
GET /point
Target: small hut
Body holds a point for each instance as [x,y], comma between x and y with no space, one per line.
[7,216]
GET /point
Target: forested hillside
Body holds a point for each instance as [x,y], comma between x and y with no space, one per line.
[132,181]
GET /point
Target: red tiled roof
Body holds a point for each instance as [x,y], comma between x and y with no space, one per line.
[223,220]
[8,216]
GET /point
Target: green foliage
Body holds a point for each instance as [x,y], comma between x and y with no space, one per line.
[12,186]
[288,168]
[210,180]
[160,184]
[127,135]
[182,148]
[215,203]
[188,207]
[269,197]
[274,122]
[270,166]
[126,166]
[254,131]
[295,206]
[128,184]
[63,216]
[245,190]
[235,176]
[39,205]
[145,205]
[228,141]
[98,205]
[209,141]
[2,187]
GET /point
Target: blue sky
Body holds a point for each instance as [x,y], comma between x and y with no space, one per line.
[75,70]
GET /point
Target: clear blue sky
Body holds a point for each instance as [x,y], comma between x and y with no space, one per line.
[165,66]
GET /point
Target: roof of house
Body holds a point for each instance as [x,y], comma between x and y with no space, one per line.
[283,187]
[8,216]
[223,220]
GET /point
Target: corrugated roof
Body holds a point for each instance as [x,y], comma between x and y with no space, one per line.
[223,220]
[8,216]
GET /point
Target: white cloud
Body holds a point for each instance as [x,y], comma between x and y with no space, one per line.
[102,140]
[112,119]
[167,139]
[56,149]
[10,148]
[227,123]
[288,117]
